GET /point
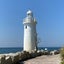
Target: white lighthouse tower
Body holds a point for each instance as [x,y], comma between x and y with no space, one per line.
[30,35]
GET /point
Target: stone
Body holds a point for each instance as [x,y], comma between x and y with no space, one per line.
[2,59]
[8,60]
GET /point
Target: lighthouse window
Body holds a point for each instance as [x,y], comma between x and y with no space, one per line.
[26,27]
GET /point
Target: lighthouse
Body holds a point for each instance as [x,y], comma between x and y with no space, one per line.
[30,34]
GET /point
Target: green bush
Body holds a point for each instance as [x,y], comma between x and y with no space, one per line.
[62,62]
[62,52]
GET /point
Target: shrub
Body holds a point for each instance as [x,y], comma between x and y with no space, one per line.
[62,52]
[62,62]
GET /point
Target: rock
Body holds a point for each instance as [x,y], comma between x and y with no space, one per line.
[54,52]
[8,60]
[25,55]
[14,57]
[51,52]
[2,59]
[33,53]
[39,53]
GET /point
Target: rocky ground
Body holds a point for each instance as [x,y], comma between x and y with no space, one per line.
[45,59]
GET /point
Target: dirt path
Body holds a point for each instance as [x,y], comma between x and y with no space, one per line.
[51,59]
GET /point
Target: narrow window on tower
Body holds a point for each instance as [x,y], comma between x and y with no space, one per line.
[26,27]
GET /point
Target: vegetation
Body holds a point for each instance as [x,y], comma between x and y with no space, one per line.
[62,55]
[62,62]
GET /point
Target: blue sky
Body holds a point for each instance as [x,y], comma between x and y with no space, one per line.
[48,13]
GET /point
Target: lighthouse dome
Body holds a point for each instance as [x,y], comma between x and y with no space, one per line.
[29,12]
